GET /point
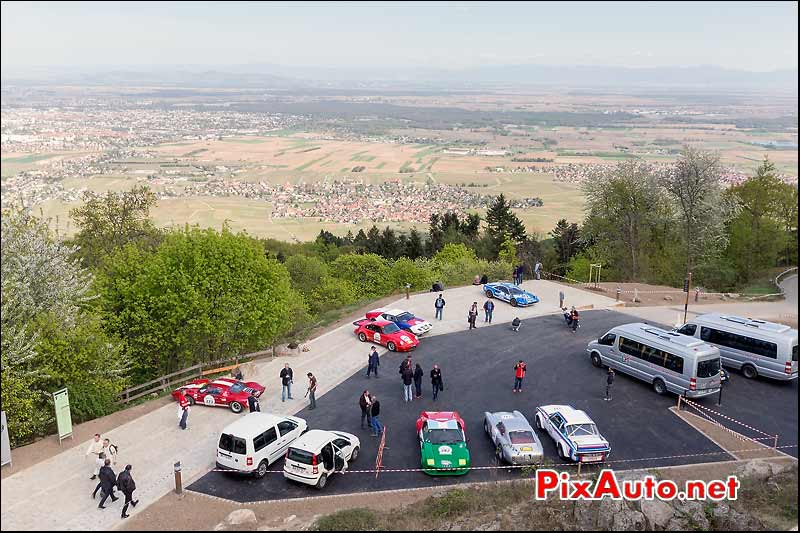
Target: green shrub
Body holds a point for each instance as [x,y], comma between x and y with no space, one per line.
[368,273]
[405,270]
[359,519]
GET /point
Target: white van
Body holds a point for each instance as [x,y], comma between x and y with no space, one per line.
[257,440]
[757,347]
[318,454]
[668,360]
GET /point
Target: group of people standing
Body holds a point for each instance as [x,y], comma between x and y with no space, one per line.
[105,457]
[412,375]
[371,412]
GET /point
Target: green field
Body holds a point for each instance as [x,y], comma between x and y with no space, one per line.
[27,159]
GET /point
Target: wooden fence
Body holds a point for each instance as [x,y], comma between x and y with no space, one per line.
[193,372]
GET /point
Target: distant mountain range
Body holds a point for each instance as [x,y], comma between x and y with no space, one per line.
[266,76]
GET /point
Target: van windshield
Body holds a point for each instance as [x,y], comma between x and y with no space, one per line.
[708,368]
[300,456]
[794,353]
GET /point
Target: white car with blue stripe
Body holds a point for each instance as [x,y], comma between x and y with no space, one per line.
[575,434]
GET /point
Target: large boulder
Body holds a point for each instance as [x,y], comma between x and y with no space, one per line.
[241,516]
[756,469]
[628,520]
[693,512]
[657,513]
[606,511]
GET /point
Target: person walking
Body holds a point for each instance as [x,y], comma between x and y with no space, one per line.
[406,363]
[436,381]
[408,380]
[252,404]
[364,404]
[107,481]
[373,362]
[537,269]
[127,485]
[439,305]
[100,462]
[609,382]
[183,412]
[473,315]
[110,450]
[287,378]
[418,373]
[561,299]
[574,317]
[488,308]
[519,374]
[375,413]
[94,449]
[312,391]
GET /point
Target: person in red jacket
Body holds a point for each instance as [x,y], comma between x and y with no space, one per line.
[519,373]
[183,411]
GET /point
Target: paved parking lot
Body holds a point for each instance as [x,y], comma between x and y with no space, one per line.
[477,368]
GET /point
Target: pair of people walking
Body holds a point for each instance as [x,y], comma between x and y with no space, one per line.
[124,482]
[100,449]
[370,412]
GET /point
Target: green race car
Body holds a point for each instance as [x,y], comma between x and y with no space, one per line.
[442,443]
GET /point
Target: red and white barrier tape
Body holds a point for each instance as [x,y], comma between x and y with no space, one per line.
[716,413]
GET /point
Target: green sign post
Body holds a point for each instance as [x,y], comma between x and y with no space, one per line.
[63,416]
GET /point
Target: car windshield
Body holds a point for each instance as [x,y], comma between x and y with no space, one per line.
[390,328]
[708,368]
[514,290]
[237,387]
[581,430]
[404,317]
[521,437]
[443,436]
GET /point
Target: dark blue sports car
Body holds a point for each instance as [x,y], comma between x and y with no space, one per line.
[508,292]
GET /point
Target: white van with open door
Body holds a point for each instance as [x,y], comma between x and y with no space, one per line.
[257,440]
[318,454]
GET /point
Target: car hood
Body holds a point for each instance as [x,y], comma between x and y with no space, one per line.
[446,452]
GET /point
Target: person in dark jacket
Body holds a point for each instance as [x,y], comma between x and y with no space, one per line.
[127,485]
[473,315]
[107,481]
[609,382]
[287,377]
[439,306]
[364,404]
[373,362]
[418,373]
[408,380]
[375,412]
[488,309]
[436,381]
[252,404]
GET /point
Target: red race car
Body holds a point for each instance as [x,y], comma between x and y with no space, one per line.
[221,392]
[386,334]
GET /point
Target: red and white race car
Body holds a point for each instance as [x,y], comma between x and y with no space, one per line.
[220,392]
[404,320]
[386,334]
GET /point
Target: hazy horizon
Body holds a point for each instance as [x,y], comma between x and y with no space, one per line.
[758,37]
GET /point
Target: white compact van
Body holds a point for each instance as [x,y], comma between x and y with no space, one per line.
[318,454]
[257,440]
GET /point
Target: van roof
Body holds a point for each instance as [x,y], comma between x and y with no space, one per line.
[663,336]
[747,324]
[253,424]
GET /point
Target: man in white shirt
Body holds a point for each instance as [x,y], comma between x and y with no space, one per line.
[95,448]
[110,450]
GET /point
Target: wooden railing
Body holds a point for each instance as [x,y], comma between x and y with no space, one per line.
[166,382]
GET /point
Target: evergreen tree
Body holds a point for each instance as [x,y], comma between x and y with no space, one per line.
[374,240]
[414,246]
[389,246]
[360,241]
[566,239]
[501,222]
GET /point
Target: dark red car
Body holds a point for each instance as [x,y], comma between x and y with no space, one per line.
[386,334]
[220,392]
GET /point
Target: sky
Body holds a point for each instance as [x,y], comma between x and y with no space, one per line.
[756,36]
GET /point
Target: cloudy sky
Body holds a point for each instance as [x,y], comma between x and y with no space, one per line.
[755,36]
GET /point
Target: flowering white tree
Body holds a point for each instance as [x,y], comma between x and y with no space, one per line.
[43,295]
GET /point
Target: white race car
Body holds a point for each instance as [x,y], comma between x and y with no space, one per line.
[574,433]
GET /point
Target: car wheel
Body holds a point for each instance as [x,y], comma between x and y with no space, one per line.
[659,387]
[391,346]
[354,455]
[489,294]
[596,361]
[561,453]
[262,469]
[190,400]
[513,302]
[236,407]
[486,428]
[323,480]
[749,371]
[362,337]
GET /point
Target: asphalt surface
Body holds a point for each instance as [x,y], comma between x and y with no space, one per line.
[477,368]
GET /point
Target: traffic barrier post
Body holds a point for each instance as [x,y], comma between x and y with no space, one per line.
[178,484]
